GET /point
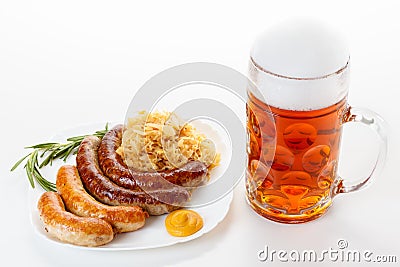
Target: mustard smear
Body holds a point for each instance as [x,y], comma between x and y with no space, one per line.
[183,223]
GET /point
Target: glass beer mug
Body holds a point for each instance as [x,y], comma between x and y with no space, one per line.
[295,119]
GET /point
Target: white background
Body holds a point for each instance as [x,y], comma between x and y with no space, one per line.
[65,63]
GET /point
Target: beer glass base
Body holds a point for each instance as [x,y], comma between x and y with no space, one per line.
[277,216]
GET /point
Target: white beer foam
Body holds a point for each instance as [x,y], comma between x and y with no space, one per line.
[300,65]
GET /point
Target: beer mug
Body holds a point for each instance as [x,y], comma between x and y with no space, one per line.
[294,122]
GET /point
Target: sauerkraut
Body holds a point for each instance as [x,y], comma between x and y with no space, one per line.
[162,141]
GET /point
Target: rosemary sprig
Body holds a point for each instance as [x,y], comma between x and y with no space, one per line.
[50,152]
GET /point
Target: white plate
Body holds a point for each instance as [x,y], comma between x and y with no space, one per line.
[153,234]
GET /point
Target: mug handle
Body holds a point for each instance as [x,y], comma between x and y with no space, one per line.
[379,126]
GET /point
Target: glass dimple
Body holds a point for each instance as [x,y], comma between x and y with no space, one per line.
[316,158]
[259,175]
[299,136]
[283,159]
[327,175]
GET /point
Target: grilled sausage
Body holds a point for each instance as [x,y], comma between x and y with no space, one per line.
[70,228]
[79,202]
[105,191]
[192,174]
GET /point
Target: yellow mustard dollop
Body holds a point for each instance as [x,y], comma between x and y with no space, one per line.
[183,223]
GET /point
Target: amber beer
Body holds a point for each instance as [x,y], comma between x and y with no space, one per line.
[293,183]
[297,105]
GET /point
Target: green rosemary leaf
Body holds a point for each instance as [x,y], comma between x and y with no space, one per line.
[43,145]
[19,162]
[44,183]
[28,169]
[69,151]
[48,159]
[50,151]
[76,138]
[30,178]
[45,151]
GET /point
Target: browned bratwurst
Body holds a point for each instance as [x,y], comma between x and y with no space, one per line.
[71,228]
[78,201]
[192,174]
[100,187]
